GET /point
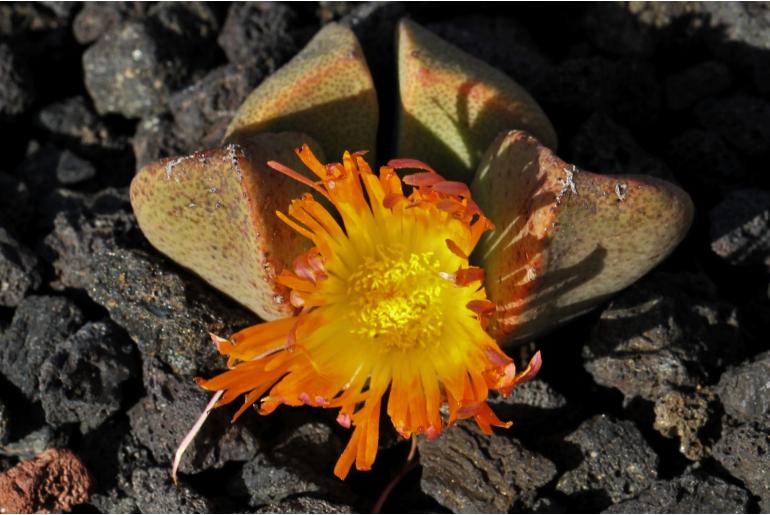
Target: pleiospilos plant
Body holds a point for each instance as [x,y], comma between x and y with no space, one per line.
[398,285]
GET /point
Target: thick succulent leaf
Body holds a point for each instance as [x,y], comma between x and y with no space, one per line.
[566,239]
[326,91]
[454,105]
[214,213]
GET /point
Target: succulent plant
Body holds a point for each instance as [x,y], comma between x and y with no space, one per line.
[563,240]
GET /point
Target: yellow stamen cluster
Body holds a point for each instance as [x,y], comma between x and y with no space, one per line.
[396,296]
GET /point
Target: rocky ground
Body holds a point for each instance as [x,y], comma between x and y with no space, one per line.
[657,402]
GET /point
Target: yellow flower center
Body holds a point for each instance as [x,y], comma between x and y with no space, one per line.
[397,298]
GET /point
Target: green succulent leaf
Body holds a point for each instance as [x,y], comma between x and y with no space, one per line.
[454,105]
[214,213]
[326,91]
[566,239]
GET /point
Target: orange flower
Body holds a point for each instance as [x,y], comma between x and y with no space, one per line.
[387,303]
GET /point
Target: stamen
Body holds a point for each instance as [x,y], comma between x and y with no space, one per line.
[278,167]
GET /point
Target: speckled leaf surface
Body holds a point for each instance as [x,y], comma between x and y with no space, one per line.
[566,239]
[214,213]
[326,91]
[454,105]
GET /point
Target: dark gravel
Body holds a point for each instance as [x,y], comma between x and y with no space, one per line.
[658,401]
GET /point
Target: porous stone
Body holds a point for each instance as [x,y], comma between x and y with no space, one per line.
[35,442]
[203,110]
[55,481]
[535,408]
[666,332]
[96,18]
[164,416]
[17,92]
[38,170]
[156,137]
[742,120]
[73,169]
[19,270]
[82,381]
[306,504]
[72,121]
[259,35]
[134,67]
[35,17]
[690,417]
[39,324]
[690,493]
[740,227]
[467,471]
[16,208]
[5,423]
[696,83]
[615,463]
[153,492]
[703,159]
[740,35]
[615,29]
[745,390]
[603,146]
[126,73]
[299,465]
[627,90]
[742,450]
[96,246]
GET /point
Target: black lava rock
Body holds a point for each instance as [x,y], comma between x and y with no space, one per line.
[740,227]
[615,463]
[740,35]
[96,18]
[96,246]
[156,137]
[301,464]
[627,90]
[16,208]
[73,123]
[261,35]
[306,504]
[745,390]
[134,68]
[690,493]
[153,492]
[706,79]
[616,30]
[467,471]
[702,159]
[17,92]
[537,411]
[81,382]
[203,110]
[73,169]
[19,271]
[692,417]
[39,324]
[743,121]
[603,146]
[38,170]
[664,333]
[743,450]
[5,423]
[172,405]
[126,73]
